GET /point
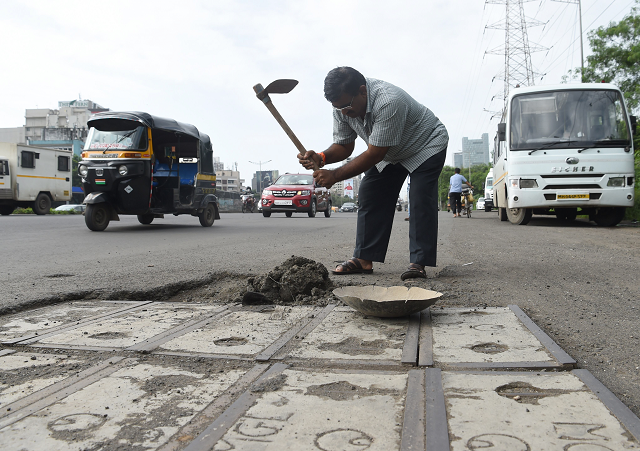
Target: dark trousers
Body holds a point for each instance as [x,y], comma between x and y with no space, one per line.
[455,201]
[378,196]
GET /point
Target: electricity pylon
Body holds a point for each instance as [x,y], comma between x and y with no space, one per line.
[518,70]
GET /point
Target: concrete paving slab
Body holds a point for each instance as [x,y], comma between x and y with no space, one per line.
[298,409]
[528,411]
[24,373]
[347,335]
[485,337]
[240,333]
[129,328]
[139,406]
[30,322]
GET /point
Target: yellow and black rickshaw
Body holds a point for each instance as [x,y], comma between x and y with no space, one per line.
[134,163]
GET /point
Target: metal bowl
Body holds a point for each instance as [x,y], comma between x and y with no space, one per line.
[387,302]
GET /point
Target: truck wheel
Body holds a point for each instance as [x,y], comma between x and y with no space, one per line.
[519,216]
[609,217]
[327,212]
[6,210]
[96,216]
[502,214]
[312,210]
[207,216]
[487,209]
[42,205]
[145,219]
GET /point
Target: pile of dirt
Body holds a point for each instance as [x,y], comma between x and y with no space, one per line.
[297,280]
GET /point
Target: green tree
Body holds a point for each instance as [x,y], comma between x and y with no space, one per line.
[615,57]
[75,177]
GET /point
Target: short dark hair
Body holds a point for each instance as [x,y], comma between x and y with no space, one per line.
[342,79]
[457,170]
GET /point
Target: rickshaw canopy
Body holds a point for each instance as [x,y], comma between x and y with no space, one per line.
[153,122]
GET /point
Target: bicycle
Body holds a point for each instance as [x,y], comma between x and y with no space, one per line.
[467,200]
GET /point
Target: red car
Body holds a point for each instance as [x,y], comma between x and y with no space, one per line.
[295,193]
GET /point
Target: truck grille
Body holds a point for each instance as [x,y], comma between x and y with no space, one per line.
[6,194]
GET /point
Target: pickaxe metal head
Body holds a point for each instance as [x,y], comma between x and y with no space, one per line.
[282,86]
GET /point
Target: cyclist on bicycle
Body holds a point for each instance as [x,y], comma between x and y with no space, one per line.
[455,192]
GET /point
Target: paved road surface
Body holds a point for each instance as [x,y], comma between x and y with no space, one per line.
[576,281]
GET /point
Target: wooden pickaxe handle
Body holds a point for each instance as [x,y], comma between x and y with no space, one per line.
[271,107]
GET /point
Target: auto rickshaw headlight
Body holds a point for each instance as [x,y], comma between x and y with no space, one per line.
[82,170]
[123,170]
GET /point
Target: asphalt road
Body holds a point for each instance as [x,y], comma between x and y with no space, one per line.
[578,282]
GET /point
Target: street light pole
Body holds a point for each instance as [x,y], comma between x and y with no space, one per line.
[260,163]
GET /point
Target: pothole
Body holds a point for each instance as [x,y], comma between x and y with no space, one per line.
[109,335]
[230,341]
[525,393]
[489,348]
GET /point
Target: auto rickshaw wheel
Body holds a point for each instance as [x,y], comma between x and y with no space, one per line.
[96,216]
[207,216]
[145,219]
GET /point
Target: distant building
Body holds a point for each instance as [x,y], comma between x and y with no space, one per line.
[457,160]
[227,180]
[217,164]
[475,151]
[338,188]
[62,128]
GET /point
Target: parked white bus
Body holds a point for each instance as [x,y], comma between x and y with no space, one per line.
[564,150]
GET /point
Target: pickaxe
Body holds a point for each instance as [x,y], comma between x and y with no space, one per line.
[280,87]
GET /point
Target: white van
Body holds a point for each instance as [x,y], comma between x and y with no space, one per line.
[33,177]
[564,150]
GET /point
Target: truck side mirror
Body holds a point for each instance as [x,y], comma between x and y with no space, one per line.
[634,124]
[502,131]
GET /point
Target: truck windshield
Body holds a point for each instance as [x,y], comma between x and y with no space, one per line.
[568,119]
[489,182]
[134,139]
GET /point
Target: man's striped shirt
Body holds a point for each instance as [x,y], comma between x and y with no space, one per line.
[395,120]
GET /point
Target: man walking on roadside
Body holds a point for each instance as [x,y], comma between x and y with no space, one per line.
[455,192]
[403,137]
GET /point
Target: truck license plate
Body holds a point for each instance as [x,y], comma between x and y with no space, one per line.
[282,202]
[583,196]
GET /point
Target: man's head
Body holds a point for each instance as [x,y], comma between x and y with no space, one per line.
[457,170]
[346,89]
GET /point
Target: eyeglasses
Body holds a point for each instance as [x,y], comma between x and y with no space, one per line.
[348,107]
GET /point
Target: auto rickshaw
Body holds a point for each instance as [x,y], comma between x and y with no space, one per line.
[134,163]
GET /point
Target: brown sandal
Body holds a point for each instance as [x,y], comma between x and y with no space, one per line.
[415,271]
[352,266]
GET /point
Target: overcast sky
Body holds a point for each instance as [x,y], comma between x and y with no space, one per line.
[197,61]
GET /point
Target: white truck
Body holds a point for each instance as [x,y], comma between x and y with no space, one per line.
[564,150]
[33,177]
[488,191]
